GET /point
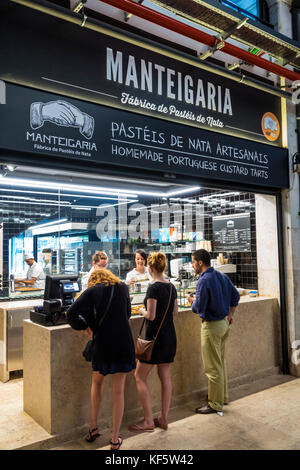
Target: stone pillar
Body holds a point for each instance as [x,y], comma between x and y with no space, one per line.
[267,246]
[291,220]
[291,230]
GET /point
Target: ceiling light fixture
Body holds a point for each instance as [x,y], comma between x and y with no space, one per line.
[216,195]
[169,194]
[182,191]
[11,167]
[106,198]
[5,168]
[19,182]
[117,204]
[47,224]
[67,187]
[40,203]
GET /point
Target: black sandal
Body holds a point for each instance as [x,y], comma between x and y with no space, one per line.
[119,443]
[92,437]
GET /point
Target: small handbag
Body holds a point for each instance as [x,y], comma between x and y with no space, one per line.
[89,348]
[143,347]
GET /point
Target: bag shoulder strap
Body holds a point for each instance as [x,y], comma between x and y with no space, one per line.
[107,307]
[165,312]
[163,316]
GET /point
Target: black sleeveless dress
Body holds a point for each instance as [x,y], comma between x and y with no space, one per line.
[114,347]
[165,345]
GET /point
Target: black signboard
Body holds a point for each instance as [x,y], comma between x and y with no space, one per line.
[46,124]
[67,59]
[232,232]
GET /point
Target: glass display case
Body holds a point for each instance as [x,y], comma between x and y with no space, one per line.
[63,231]
[183,290]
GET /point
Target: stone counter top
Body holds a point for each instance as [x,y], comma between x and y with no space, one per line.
[244,300]
[248,298]
[15,304]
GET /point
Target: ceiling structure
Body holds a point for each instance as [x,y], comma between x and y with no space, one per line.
[267,48]
[224,20]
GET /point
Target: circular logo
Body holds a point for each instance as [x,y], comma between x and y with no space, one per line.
[270,126]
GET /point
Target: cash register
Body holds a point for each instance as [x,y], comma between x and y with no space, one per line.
[59,294]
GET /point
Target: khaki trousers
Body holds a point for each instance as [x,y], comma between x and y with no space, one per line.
[213,338]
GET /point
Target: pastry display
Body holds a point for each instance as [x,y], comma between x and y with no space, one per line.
[184,303]
[135,309]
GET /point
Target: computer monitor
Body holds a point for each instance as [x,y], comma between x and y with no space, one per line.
[60,286]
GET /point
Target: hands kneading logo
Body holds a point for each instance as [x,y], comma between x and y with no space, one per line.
[63,114]
[270,126]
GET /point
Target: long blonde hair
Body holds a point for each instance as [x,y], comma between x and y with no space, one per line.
[103,276]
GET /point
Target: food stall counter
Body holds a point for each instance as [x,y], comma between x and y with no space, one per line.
[53,363]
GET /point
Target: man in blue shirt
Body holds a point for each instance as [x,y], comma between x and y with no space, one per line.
[216,300]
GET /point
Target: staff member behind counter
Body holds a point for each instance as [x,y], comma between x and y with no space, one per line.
[99,261]
[35,276]
[140,273]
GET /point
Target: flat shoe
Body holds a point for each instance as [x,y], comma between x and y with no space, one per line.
[140,428]
[92,437]
[117,444]
[205,410]
[158,424]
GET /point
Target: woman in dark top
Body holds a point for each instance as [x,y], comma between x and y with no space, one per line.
[113,351]
[156,303]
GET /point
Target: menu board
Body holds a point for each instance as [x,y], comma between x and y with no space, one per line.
[232,232]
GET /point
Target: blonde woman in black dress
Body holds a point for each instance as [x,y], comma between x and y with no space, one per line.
[113,351]
[163,354]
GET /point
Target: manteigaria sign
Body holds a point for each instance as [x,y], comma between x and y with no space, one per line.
[103,69]
[47,124]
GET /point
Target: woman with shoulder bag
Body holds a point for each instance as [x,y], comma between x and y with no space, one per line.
[160,307]
[103,310]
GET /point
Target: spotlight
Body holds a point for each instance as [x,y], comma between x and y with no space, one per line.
[5,168]
[11,167]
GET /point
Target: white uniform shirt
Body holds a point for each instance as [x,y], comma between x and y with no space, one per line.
[85,279]
[36,270]
[134,274]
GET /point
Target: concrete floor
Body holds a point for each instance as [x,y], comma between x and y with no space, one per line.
[261,415]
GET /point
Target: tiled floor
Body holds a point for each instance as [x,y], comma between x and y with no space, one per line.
[262,415]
